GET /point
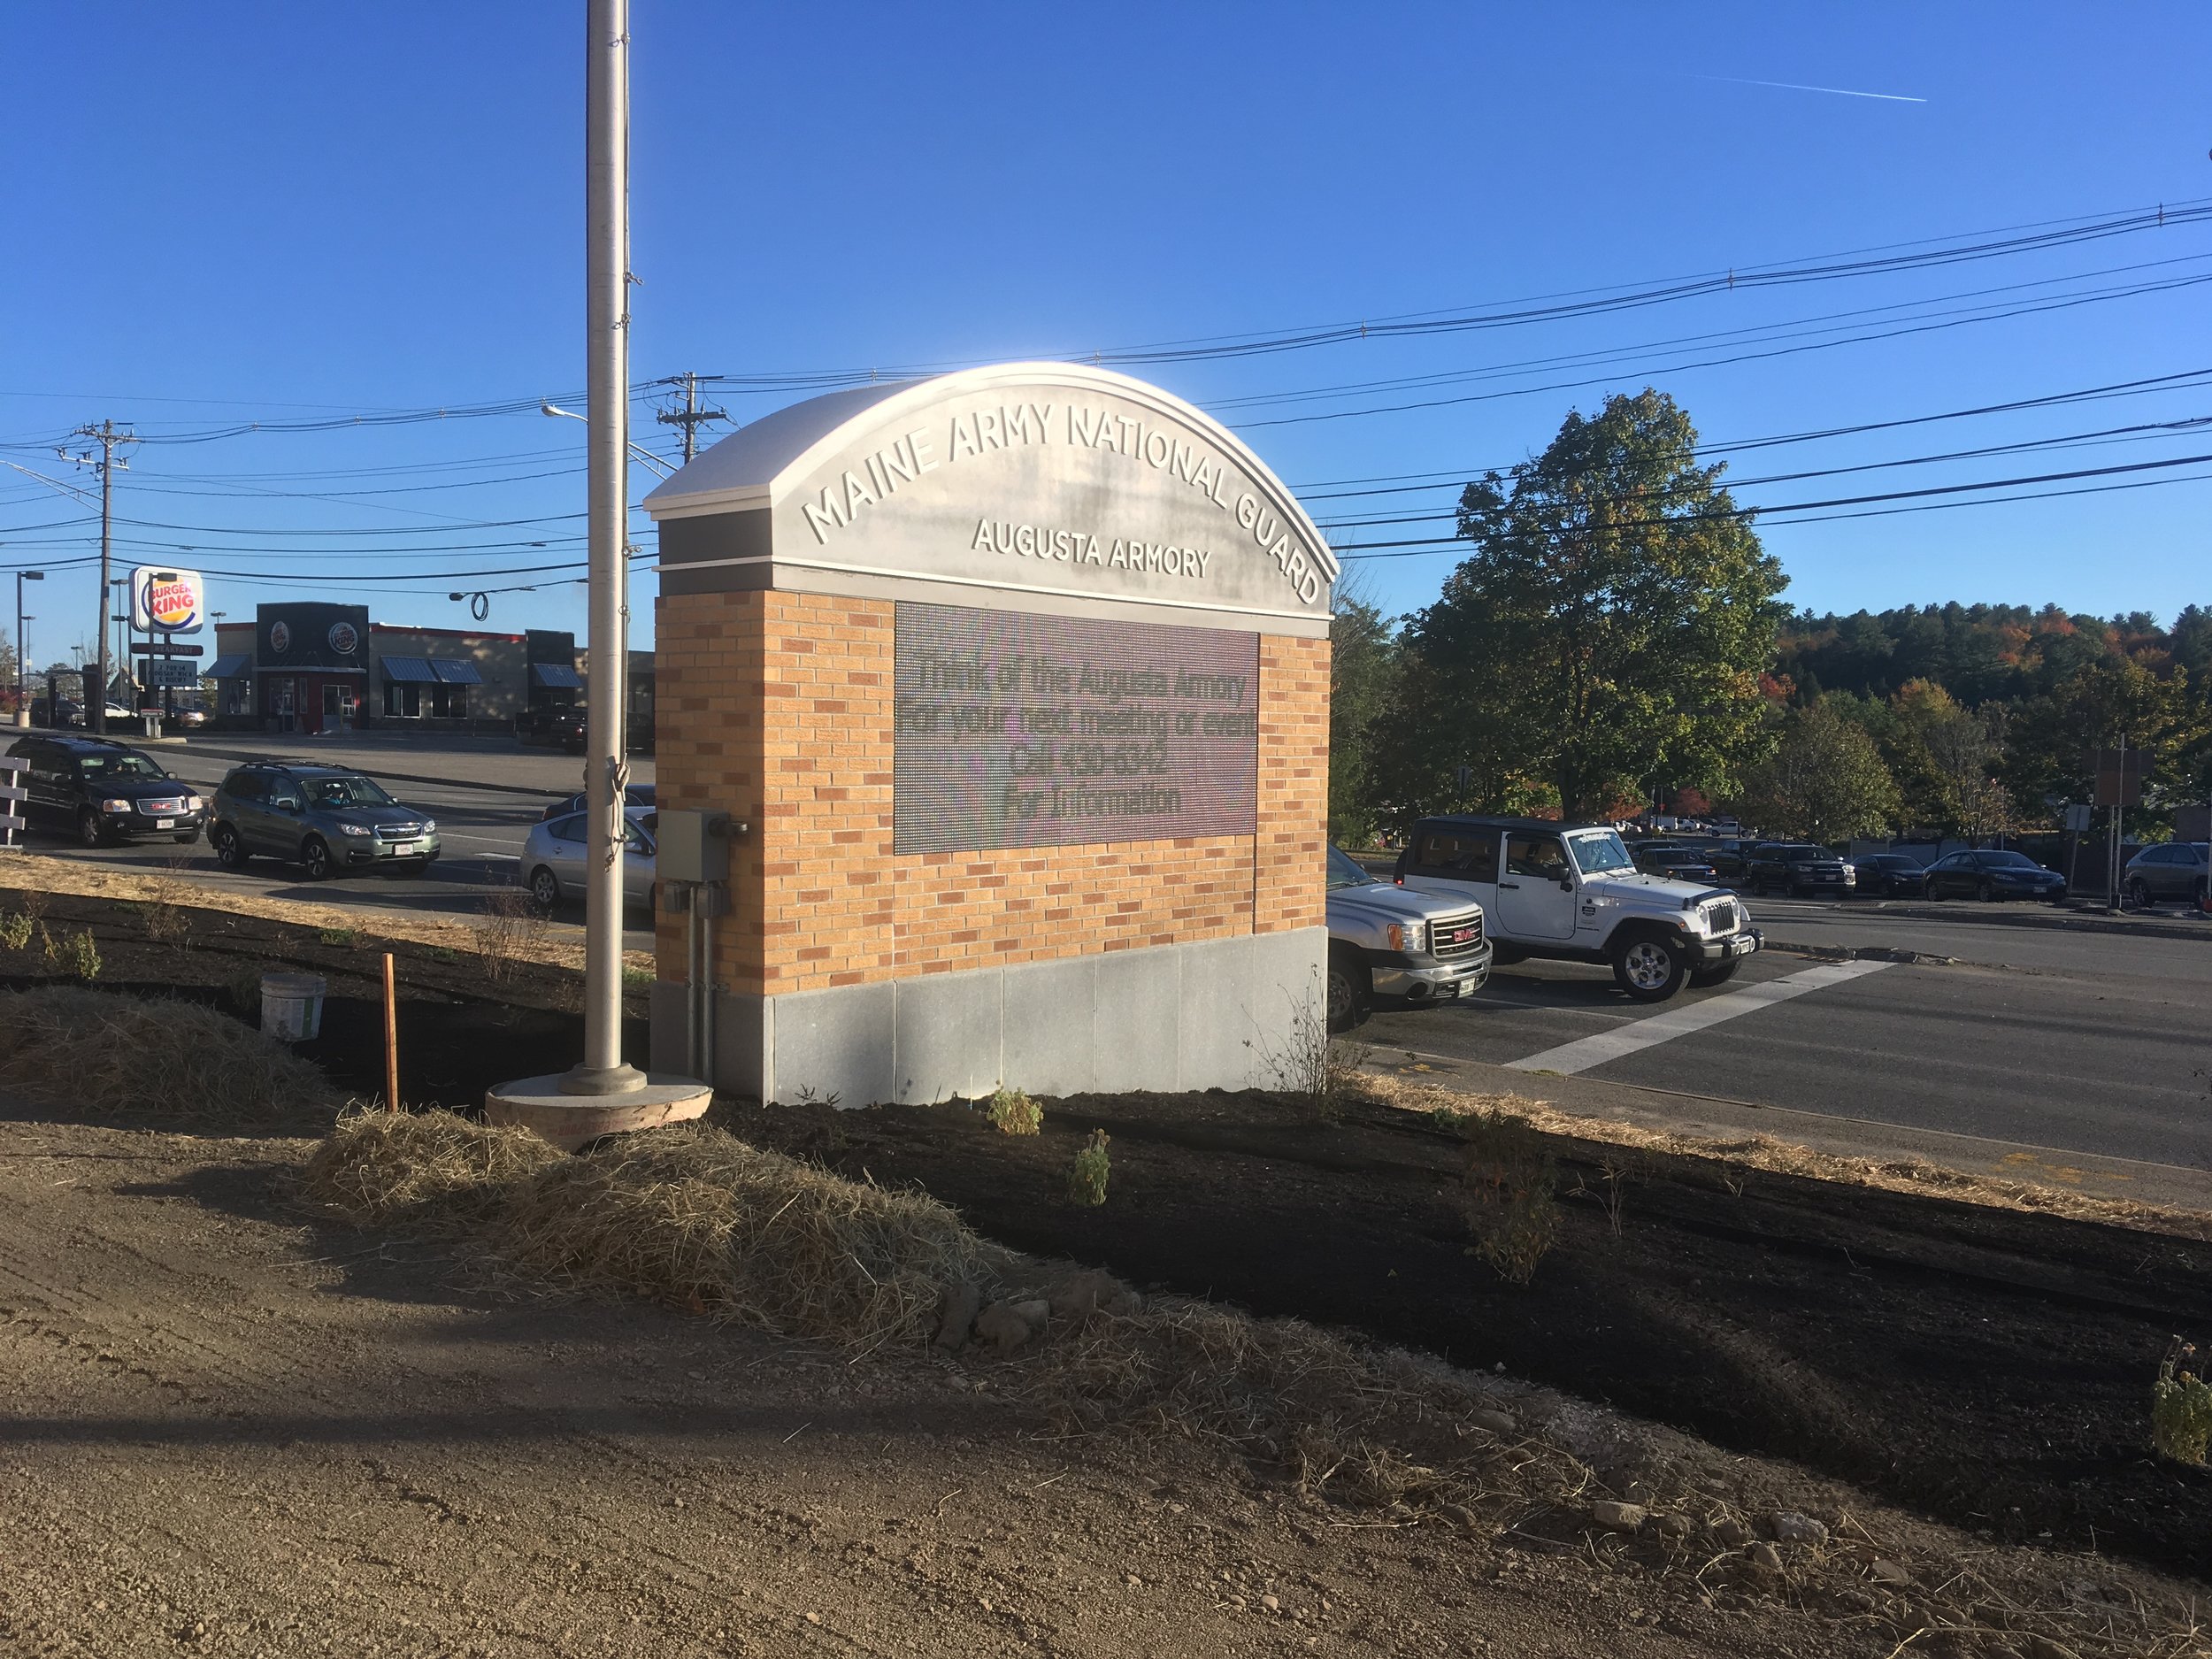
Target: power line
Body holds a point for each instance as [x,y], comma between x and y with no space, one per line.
[1437,544]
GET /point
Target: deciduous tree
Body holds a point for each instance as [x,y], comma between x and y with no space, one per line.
[1825,781]
[1606,636]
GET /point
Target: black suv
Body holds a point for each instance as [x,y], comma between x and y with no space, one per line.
[329,818]
[106,791]
[1798,869]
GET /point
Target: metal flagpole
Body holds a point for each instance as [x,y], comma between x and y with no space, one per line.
[607,257]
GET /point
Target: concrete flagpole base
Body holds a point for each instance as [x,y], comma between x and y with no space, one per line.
[570,1121]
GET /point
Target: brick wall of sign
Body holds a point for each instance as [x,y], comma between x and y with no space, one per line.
[776,708]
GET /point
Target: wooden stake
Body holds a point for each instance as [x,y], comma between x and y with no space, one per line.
[391,1039]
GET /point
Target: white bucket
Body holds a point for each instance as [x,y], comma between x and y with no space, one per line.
[292,1006]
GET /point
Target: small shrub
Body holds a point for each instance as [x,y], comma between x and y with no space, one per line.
[1014,1113]
[78,954]
[508,931]
[2181,1409]
[1086,1176]
[1510,1188]
[638,979]
[166,919]
[342,938]
[15,931]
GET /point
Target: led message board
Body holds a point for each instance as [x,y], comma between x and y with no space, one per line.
[1014,730]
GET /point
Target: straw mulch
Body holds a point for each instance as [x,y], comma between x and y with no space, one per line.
[686,1216]
[97,1051]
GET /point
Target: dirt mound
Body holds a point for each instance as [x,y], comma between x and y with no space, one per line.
[69,1046]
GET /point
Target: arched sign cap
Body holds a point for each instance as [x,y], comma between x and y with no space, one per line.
[1043,487]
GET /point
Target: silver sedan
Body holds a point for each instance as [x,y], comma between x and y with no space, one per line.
[553,862]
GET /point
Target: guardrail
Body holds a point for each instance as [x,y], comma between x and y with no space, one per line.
[11,793]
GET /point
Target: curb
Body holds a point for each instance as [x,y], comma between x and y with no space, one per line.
[1865,953]
[2056,921]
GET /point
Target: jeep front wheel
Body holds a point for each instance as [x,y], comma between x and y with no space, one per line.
[1351,988]
[1650,967]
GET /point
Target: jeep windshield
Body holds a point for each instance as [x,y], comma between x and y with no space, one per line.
[1599,851]
[119,767]
[1344,873]
[338,794]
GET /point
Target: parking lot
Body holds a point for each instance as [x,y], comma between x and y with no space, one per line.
[2046,1030]
[484,794]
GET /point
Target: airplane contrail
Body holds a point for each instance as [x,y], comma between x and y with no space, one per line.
[1792,86]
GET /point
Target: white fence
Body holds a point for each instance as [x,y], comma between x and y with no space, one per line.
[12,798]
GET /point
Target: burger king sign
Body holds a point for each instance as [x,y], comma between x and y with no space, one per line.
[165,602]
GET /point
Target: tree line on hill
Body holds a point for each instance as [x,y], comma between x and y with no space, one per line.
[1615,639]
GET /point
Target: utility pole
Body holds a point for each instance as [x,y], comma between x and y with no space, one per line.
[607,324]
[109,439]
[689,416]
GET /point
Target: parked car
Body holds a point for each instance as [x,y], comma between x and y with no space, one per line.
[553,861]
[106,791]
[1571,892]
[2176,871]
[636,798]
[1889,876]
[1673,858]
[1798,868]
[331,819]
[564,725]
[63,713]
[188,716]
[1388,941]
[1992,875]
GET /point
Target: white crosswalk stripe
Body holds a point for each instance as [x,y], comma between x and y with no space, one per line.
[1586,1052]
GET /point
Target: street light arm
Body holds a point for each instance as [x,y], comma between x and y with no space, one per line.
[637,451]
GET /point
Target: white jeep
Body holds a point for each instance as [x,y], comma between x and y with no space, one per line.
[1572,891]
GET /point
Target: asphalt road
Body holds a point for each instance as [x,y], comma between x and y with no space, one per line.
[482,826]
[2067,1037]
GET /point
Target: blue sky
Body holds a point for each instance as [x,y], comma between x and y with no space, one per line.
[219,217]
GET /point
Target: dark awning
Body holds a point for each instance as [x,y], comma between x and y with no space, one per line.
[555,677]
[406,669]
[456,674]
[237,665]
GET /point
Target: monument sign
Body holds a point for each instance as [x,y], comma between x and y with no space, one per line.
[1019,676]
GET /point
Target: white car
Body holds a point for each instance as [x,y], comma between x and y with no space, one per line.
[553,861]
[1572,892]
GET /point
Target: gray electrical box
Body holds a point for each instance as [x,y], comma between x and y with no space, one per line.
[694,845]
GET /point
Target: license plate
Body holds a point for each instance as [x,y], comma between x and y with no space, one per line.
[1446,992]
[1742,947]
[400,849]
[165,823]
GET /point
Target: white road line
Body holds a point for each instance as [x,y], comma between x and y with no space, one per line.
[1586,1052]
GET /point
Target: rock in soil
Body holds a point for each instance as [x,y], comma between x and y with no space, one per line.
[1765,1557]
[1731,1534]
[1887,1573]
[957,1305]
[1618,1518]
[1081,1295]
[1496,1422]
[1787,1526]
[1011,1323]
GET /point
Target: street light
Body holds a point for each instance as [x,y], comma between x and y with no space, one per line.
[22,651]
[638,452]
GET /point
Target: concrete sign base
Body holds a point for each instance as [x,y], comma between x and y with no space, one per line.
[570,1121]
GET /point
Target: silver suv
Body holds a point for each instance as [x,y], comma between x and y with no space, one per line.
[328,819]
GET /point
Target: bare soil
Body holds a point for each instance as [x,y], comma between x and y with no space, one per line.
[1986,1367]
[231,1431]
[461,1029]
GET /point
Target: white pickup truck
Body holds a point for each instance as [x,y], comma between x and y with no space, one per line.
[1416,947]
[1572,891]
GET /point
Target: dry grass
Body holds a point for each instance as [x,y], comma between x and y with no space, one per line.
[1913,1176]
[70,1046]
[696,1219]
[692,1217]
[37,874]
